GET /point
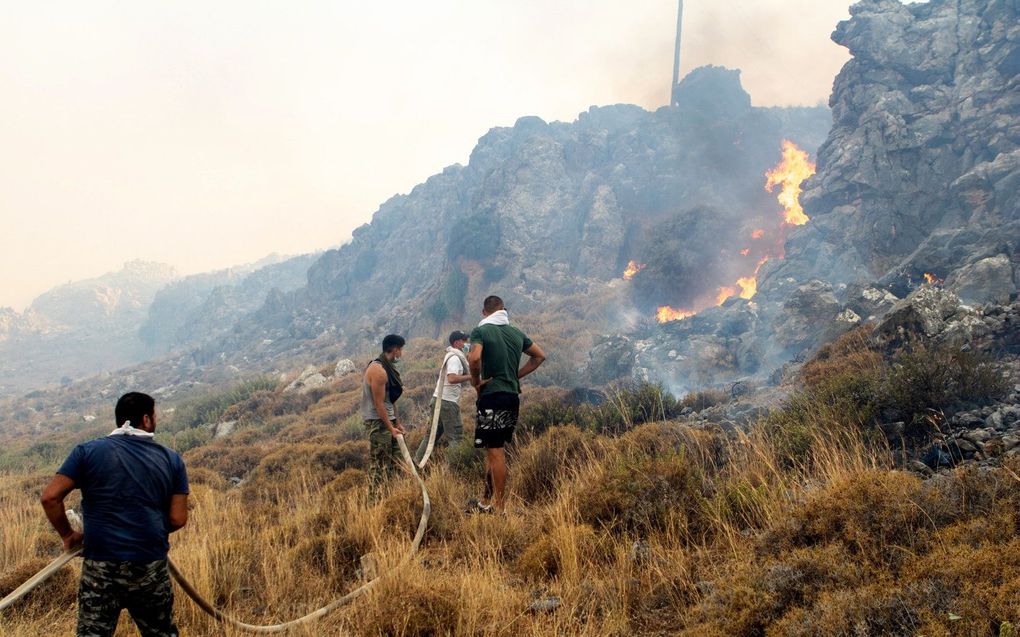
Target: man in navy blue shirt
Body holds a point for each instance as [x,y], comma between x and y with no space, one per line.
[134,493]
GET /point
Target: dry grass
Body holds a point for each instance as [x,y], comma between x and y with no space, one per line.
[660,531]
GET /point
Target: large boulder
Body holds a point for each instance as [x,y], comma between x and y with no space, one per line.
[344,366]
[988,280]
[922,313]
[611,358]
[808,312]
[309,379]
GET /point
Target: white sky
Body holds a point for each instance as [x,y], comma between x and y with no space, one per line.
[208,134]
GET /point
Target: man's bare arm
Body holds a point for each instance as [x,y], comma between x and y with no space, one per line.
[536,358]
[52,500]
[376,378]
[178,511]
[475,364]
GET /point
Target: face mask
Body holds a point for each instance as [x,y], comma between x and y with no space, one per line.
[465,348]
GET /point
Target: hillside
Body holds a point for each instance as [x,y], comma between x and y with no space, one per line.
[544,212]
[138,313]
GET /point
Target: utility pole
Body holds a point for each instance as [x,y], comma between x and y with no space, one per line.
[676,52]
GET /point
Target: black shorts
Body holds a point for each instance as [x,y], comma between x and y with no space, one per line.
[496,419]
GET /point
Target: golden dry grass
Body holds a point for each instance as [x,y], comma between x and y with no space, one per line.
[663,530]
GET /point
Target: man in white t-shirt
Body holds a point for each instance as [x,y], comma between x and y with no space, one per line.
[450,429]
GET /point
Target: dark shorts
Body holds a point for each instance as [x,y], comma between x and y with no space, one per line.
[143,588]
[496,419]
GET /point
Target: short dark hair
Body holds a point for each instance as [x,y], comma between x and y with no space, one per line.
[132,407]
[392,342]
[492,304]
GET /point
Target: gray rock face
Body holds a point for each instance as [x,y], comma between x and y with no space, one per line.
[920,171]
[811,306]
[200,307]
[989,280]
[612,357]
[545,210]
[923,312]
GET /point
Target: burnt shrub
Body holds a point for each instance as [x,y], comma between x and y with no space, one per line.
[412,607]
[705,399]
[317,464]
[59,591]
[544,558]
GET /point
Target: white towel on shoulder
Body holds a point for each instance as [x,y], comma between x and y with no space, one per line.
[127,430]
[499,317]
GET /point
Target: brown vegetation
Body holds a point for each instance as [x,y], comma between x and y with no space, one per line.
[798,526]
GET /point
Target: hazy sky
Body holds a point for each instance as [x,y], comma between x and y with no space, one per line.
[209,134]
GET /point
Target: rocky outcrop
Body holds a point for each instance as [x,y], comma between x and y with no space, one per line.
[79,328]
[920,171]
[545,210]
[200,307]
[918,182]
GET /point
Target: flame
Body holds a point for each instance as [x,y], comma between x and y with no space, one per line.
[748,286]
[724,293]
[932,279]
[758,234]
[633,268]
[791,172]
[745,252]
[665,314]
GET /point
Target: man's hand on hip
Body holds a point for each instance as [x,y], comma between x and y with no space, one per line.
[73,540]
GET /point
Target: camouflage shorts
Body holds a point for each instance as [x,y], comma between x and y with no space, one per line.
[143,588]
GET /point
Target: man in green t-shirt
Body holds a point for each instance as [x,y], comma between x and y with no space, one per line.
[494,360]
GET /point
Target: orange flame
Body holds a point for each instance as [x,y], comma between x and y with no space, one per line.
[745,252]
[632,268]
[758,234]
[932,279]
[665,314]
[748,286]
[724,293]
[791,173]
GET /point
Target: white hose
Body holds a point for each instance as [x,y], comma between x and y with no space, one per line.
[435,411]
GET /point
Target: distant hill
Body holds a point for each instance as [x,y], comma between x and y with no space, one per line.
[122,318]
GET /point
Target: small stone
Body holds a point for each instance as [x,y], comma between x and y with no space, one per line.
[978,436]
[369,567]
[919,467]
[966,446]
[892,430]
[224,428]
[545,605]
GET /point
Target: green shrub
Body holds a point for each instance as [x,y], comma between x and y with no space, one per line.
[624,409]
[924,379]
[209,409]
